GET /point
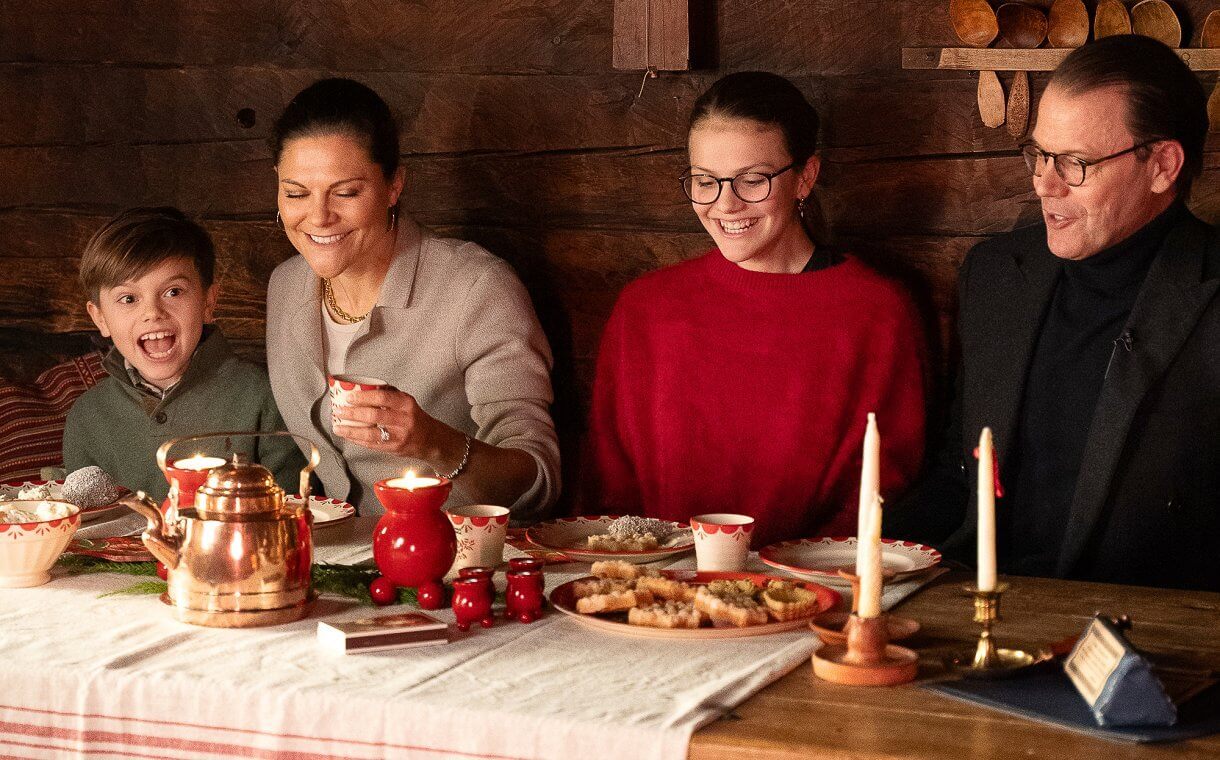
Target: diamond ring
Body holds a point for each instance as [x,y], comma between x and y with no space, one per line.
[385,434]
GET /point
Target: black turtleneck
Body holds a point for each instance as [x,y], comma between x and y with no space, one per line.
[1082,326]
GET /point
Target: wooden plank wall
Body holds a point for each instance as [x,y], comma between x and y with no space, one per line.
[517,134]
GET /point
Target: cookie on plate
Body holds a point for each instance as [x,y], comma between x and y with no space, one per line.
[666,615]
[787,601]
[614,601]
[667,588]
[592,586]
[620,570]
[727,609]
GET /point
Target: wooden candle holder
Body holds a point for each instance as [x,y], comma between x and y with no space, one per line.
[868,659]
[831,626]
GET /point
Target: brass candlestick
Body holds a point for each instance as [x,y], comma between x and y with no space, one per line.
[989,660]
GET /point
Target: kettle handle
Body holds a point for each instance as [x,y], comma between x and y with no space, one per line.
[314,456]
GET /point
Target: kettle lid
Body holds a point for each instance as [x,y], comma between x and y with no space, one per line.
[239,487]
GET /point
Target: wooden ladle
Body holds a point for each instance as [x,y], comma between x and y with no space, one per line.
[1068,24]
[1155,19]
[1110,19]
[975,25]
[1210,38]
[1022,27]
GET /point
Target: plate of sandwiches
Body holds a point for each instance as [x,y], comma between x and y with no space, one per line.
[594,538]
[326,512]
[627,599]
[53,490]
[820,559]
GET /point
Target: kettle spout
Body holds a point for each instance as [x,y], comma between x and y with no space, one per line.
[163,547]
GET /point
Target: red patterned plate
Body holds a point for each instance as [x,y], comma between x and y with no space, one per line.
[567,535]
[115,549]
[326,512]
[820,559]
[10,490]
[564,600]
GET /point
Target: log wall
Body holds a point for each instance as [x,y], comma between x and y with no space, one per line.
[517,134]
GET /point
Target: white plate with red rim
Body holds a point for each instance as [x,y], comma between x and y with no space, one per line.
[820,559]
[11,489]
[326,512]
[568,535]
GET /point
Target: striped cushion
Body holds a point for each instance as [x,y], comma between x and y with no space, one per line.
[32,417]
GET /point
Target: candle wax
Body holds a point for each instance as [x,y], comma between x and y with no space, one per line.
[412,483]
[197,463]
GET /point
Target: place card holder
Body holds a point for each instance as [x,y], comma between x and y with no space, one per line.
[1115,680]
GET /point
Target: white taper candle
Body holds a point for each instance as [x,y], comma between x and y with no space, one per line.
[986,519]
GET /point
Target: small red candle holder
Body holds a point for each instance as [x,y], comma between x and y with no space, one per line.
[471,603]
[523,599]
[414,544]
[526,563]
[485,574]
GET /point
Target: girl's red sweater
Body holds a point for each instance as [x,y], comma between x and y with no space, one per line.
[720,389]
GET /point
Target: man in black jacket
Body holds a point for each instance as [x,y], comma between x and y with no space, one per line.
[1091,342]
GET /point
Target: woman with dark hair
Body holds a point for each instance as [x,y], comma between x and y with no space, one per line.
[447,325]
[740,381]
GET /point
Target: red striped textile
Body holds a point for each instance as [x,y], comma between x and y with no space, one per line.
[32,417]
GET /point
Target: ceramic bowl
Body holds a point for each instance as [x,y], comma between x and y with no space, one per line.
[27,550]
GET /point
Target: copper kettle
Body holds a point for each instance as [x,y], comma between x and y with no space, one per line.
[241,555]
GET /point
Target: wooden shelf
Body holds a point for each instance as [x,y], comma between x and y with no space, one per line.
[1042,59]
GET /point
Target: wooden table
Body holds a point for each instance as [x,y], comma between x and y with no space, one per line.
[802,716]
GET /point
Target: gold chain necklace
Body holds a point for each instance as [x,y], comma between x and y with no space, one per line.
[334,307]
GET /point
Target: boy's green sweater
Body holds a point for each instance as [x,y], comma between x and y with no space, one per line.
[118,425]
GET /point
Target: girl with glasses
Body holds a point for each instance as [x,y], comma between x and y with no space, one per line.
[741,380]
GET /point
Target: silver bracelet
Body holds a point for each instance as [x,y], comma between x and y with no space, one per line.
[462,464]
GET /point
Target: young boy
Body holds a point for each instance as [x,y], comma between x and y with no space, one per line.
[148,277]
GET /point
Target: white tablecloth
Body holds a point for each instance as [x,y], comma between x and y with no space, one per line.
[116,676]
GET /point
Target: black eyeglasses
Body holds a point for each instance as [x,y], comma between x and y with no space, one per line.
[1070,169]
[751,187]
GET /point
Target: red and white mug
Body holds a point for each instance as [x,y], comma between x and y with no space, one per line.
[339,387]
[480,530]
[722,541]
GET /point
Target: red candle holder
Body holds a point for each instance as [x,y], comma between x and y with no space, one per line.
[523,599]
[485,574]
[414,544]
[471,603]
[184,483]
[526,563]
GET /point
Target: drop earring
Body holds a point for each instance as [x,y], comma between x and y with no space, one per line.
[393,218]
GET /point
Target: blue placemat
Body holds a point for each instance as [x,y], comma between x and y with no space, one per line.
[1047,696]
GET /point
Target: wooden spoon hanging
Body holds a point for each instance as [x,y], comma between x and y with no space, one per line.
[1155,19]
[1022,27]
[1210,38]
[1110,19]
[975,25]
[1068,24]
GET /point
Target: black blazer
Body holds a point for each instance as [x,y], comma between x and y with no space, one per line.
[1146,509]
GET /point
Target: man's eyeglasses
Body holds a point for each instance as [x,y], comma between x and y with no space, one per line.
[751,187]
[1070,169]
